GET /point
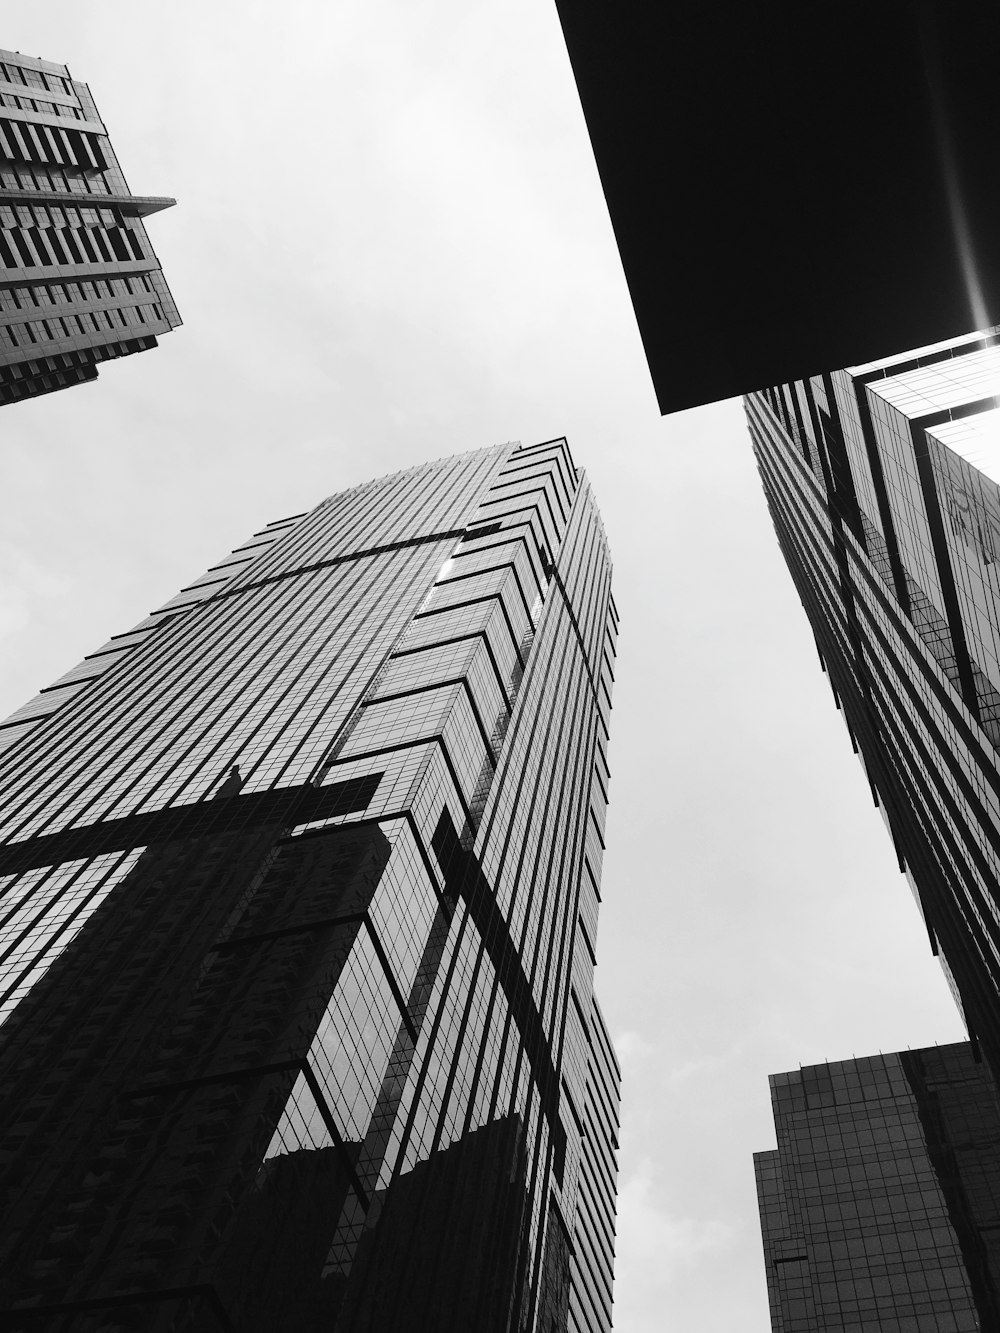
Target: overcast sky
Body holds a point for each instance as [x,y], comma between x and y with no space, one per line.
[391,245]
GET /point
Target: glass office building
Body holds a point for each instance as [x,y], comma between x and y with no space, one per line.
[880,1207]
[300,890]
[883,482]
[79,282]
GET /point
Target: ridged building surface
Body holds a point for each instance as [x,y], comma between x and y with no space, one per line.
[299,900]
[883,482]
[79,282]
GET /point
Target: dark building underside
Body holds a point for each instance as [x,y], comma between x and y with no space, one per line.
[790,193]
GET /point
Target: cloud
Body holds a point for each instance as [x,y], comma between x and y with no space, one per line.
[25,582]
[632,1048]
[702,1065]
[653,1244]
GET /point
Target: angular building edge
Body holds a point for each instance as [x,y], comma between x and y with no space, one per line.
[883,484]
[881,1203]
[79,280]
[409,688]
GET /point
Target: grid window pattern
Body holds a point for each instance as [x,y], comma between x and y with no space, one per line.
[879,1206]
[887,523]
[366,753]
[79,282]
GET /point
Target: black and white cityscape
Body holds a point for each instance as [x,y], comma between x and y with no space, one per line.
[541,871]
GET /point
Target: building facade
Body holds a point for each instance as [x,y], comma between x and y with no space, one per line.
[880,1207]
[79,282]
[300,891]
[883,482]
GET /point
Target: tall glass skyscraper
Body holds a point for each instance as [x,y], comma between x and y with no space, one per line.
[79,282]
[300,884]
[884,486]
[880,1206]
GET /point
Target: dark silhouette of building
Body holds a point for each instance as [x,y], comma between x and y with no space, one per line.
[741,151]
[880,1207]
[79,282]
[300,890]
[883,482]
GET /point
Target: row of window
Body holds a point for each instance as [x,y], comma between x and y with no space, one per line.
[61,327]
[34,78]
[51,145]
[51,179]
[41,106]
[58,214]
[61,294]
[42,247]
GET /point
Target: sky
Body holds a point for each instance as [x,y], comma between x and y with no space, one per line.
[391,245]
